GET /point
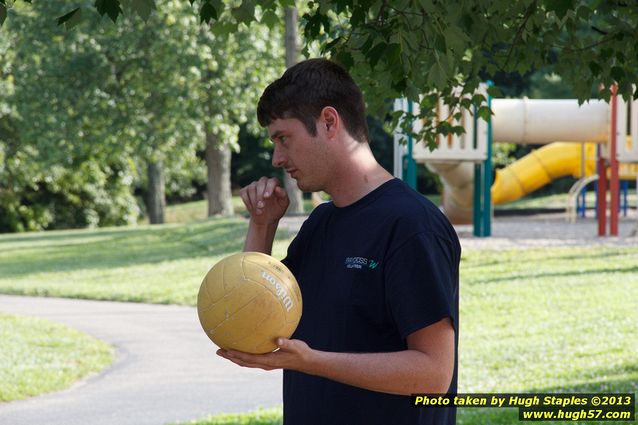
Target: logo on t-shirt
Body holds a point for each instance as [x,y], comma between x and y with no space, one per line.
[360,263]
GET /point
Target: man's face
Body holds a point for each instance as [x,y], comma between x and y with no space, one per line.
[299,153]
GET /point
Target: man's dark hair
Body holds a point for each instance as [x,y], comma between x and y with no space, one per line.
[308,87]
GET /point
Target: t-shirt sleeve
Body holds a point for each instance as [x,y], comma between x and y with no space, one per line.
[292,256]
[422,282]
[296,249]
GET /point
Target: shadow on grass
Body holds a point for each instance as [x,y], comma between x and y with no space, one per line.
[91,249]
[631,270]
[496,257]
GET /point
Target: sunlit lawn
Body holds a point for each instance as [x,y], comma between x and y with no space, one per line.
[550,320]
[38,356]
[155,264]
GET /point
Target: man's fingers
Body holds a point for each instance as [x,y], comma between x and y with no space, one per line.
[257,194]
[271,185]
[280,192]
[261,188]
[261,361]
[245,198]
[254,199]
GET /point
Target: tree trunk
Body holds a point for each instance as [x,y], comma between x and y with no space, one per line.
[218,165]
[295,195]
[156,192]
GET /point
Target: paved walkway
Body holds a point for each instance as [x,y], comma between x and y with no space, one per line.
[549,230]
[166,369]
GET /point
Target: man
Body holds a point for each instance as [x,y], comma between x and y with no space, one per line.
[377,266]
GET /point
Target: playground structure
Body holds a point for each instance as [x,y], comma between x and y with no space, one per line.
[595,141]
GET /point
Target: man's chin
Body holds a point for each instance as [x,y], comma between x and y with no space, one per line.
[306,187]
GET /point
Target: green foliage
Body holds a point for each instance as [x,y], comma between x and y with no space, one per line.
[87,109]
[427,49]
[424,50]
[503,154]
[271,416]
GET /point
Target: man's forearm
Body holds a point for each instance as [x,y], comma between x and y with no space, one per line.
[403,372]
[260,237]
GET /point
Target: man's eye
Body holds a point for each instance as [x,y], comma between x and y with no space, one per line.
[283,139]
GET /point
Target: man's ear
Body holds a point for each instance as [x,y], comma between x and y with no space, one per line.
[329,118]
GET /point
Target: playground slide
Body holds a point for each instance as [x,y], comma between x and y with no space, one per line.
[540,167]
[524,176]
[458,189]
[513,182]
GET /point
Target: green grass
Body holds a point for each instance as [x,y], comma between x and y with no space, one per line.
[154,264]
[271,416]
[38,356]
[197,210]
[547,320]
[535,320]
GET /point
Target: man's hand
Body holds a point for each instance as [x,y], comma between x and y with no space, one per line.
[292,354]
[265,200]
[427,366]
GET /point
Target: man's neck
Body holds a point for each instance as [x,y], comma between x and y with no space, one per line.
[356,181]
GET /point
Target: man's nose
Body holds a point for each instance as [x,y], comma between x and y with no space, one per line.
[278,158]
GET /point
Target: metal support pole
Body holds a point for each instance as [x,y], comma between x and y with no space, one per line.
[477,209]
[409,163]
[487,176]
[624,188]
[613,162]
[601,197]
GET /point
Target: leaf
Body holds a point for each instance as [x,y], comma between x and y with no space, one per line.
[375,54]
[3,14]
[617,73]
[224,27]
[437,75]
[270,19]
[484,112]
[455,39]
[560,7]
[345,59]
[330,45]
[245,12]
[109,7]
[71,19]
[358,15]
[207,12]
[494,91]
[143,7]
[595,68]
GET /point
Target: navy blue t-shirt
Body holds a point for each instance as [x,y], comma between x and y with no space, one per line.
[370,274]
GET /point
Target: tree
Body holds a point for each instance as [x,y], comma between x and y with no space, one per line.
[234,67]
[60,168]
[292,53]
[427,49]
[97,106]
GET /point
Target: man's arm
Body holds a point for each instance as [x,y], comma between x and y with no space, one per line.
[426,366]
[260,237]
[267,202]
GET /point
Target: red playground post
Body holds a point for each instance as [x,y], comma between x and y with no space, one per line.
[614,185]
[601,194]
